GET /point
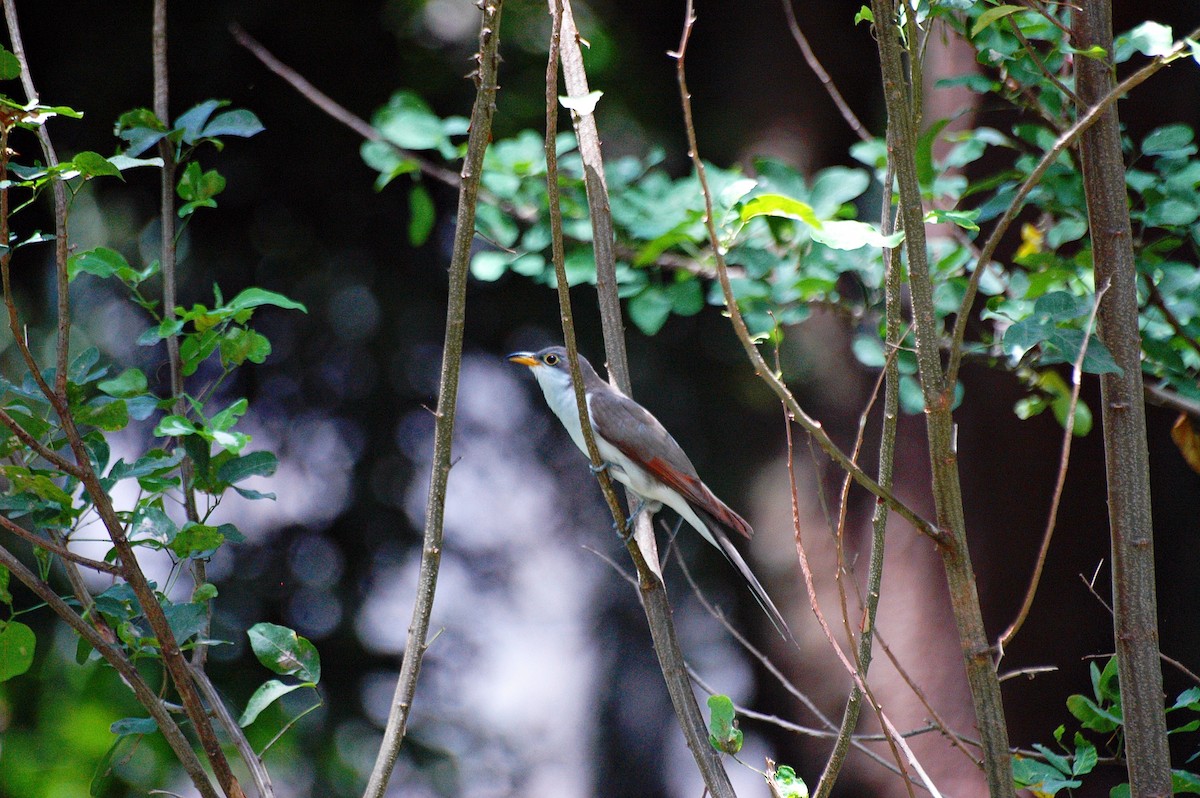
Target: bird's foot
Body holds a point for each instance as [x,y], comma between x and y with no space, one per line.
[596,469]
[626,533]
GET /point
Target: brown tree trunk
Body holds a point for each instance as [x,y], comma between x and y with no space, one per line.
[1135,614]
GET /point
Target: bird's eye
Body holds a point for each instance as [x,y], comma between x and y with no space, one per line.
[550,359]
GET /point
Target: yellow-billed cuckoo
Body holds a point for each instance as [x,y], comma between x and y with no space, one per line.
[642,455]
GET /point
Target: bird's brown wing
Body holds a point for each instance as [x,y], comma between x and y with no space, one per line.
[640,437]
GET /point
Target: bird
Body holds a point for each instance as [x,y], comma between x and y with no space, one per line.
[640,454]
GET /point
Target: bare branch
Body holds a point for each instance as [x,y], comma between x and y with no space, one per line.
[488,62]
[814,64]
[55,548]
[1060,481]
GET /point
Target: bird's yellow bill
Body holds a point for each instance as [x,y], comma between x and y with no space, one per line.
[524,358]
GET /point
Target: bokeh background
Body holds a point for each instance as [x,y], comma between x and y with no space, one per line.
[542,681]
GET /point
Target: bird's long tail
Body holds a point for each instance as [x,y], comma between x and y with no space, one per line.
[722,542]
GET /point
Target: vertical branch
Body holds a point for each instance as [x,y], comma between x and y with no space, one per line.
[487,59]
[1126,457]
[887,456]
[641,547]
[603,238]
[60,211]
[59,394]
[168,261]
[939,424]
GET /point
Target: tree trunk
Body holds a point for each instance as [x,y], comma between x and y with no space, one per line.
[1135,615]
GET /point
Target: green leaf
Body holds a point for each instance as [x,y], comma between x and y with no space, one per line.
[1149,38]
[421,215]
[1039,777]
[123,162]
[205,592]
[1086,757]
[1057,761]
[240,344]
[17,642]
[964,219]
[1169,140]
[5,595]
[10,67]
[1189,698]
[1183,781]
[101,261]
[1106,684]
[866,14]
[196,539]
[991,15]
[192,120]
[225,420]
[1091,716]
[723,733]
[489,265]
[786,784]
[93,164]
[151,523]
[104,413]
[196,185]
[1172,213]
[238,122]
[834,187]
[141,129]
[256,297]
[173,426]
[283,651]
[687,296]
[650,309]
[155,461]
[267,693]
[129,383]
[849,234]
[254,464]
[780,206]
[186,620]
[408,122]
[134,726]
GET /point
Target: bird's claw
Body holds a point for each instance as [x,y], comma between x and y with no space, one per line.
[626,533]
[596,469]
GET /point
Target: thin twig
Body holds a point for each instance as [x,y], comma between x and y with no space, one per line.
[1060,481]
[1029,48]
[1162,397]
[488,62]
[814,64]
[887,453]
[54,548]
[935,716]
[254,763]
[48,454]
[1174,663]
[335,110]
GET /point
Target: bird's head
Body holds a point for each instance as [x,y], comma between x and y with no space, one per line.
[549,365]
